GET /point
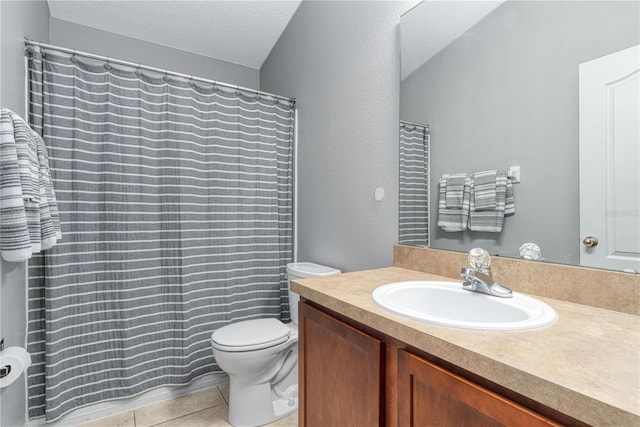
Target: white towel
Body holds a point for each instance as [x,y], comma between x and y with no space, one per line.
[453,219]
[492,220]
[29,219]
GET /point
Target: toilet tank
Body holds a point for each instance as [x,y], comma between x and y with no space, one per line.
[301,270]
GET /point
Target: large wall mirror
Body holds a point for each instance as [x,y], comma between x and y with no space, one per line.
[498,85]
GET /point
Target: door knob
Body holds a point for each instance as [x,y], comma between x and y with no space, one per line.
[590,241]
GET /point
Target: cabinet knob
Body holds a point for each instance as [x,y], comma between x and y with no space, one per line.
[590,241]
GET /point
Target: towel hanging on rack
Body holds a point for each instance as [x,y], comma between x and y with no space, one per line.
[454,219]
[454,193]
[485,188]
[492,220]
[29,219]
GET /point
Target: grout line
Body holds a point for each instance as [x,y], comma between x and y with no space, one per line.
[222,394]
[185,415]
[190,413]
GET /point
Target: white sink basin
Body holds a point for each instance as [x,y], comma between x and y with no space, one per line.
[447,304]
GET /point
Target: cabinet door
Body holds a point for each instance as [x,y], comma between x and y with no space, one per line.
[341,373]
[429,395]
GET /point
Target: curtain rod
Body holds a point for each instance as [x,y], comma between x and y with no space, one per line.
[28,42]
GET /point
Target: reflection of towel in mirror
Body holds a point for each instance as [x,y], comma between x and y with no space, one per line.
[454,191]
[453,219]
[485,188]
[492,220]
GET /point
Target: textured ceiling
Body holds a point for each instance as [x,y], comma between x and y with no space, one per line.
[240,31]
[433,24]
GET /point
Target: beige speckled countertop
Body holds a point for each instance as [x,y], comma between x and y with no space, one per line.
[586,365]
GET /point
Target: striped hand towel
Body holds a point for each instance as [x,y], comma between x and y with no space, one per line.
[492,221]
[50,229]
[455,189]
[453,219]
[485,186]
[29,219]
[15,243]
[509,202]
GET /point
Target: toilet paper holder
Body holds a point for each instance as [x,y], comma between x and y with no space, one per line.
[4,370]
[14,361]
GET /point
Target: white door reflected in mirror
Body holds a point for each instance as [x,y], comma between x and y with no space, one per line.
[610,161]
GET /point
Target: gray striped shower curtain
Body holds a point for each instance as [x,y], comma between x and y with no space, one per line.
[176,206]
[413,224]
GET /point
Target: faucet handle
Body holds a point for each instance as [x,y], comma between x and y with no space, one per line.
[480,259]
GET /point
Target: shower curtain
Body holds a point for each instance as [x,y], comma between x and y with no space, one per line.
[176,207]
[414,185]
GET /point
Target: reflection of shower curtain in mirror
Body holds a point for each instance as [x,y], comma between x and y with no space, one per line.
[414,184]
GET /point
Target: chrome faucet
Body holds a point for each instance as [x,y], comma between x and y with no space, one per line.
[479,278]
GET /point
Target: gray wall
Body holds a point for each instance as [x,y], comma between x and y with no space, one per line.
[18,19]
[341,62]
[90,40]
[506,93]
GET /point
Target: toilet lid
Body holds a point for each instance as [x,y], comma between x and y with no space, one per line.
[251,335]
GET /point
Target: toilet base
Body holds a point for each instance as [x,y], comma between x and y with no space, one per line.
[258,404]
[287,404]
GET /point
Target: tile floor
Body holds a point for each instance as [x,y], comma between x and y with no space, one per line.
[206,408]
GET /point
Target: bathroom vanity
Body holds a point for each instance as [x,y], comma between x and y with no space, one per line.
[362,365]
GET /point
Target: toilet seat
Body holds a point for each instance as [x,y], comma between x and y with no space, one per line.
[250,335]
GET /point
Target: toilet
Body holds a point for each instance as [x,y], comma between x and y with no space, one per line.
[261,358]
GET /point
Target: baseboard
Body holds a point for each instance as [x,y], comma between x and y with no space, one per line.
[107,409]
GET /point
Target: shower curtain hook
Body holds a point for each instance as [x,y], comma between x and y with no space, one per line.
[191,82]
[138,71]
[166,76]
[74,59]
[107,65]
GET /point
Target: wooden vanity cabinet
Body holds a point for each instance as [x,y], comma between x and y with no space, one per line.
[349,377]
[429,395]
[341,373]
